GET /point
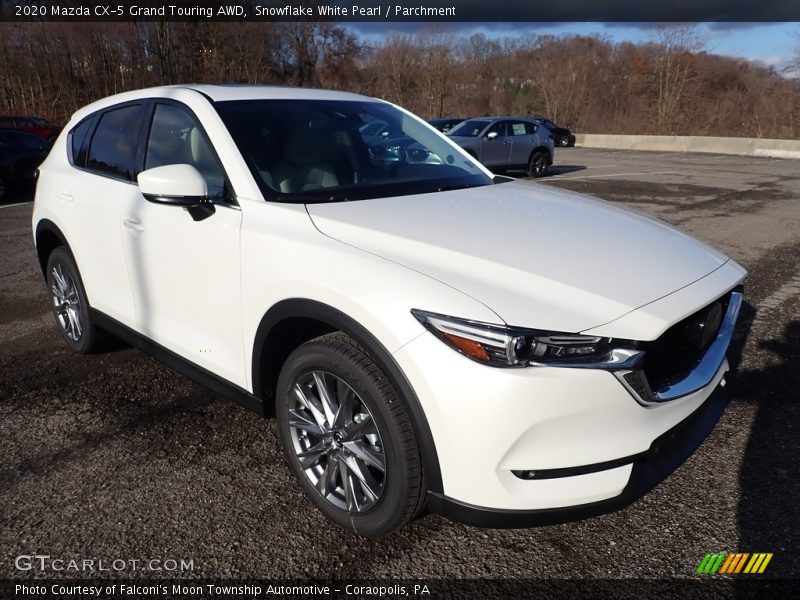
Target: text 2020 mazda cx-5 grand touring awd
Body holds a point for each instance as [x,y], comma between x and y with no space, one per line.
[504,353]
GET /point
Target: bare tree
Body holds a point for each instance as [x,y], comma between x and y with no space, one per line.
[437,73]
[668,85]
[671,51]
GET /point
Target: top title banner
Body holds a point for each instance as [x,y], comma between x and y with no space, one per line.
[432,11]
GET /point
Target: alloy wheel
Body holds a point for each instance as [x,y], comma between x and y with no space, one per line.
[337,441]
[539,164]
[66,302]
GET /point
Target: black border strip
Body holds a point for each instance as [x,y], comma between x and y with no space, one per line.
[405,11]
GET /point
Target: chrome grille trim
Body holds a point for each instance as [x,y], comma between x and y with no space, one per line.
[699,377]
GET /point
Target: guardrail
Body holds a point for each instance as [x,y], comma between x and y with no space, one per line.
[678,143]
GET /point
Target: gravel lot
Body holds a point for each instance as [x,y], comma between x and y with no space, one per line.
[115,456]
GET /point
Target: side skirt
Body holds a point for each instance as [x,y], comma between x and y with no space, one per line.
[178,363]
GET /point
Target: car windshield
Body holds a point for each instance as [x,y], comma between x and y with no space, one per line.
[470,128]
[320,151]
[372,128]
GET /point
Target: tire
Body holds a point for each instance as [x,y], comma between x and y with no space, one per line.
[537,166]
[2,188]
[563,141]
[372,430]
[70,306]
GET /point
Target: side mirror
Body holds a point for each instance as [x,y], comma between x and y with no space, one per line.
[491,135]
[178,185]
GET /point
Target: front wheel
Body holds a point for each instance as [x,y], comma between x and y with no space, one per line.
[347,436]
[537,166]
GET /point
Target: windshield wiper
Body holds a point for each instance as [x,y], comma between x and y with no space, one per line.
[312,198]
[458,186]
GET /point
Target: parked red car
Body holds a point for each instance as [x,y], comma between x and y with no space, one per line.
[34,125]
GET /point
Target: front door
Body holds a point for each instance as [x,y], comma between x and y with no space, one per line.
[185,273]
[495,151]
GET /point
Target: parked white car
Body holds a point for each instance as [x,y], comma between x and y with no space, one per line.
[426,334]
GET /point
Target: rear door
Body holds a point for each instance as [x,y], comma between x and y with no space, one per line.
[91,198]
[523,141]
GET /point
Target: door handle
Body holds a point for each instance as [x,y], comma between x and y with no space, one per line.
[64,197]
[133,224]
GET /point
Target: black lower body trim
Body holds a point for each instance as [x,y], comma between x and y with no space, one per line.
[176,362]
[666,453]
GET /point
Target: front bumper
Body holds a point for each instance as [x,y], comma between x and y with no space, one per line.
[648,469]
[487,423]
[551,443]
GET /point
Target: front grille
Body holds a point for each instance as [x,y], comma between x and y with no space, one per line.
[680,348]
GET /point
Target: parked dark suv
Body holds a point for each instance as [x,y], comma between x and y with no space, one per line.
[506,143]
[445,125]
[562,136]
[20,155]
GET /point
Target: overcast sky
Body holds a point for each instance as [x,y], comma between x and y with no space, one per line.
[770,43]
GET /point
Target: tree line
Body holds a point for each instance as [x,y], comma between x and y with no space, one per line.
[668,85]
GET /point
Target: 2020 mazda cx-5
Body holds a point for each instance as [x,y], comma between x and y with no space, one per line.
[506,143]
[425,334]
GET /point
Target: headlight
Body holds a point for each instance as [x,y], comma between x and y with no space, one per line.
[502,346]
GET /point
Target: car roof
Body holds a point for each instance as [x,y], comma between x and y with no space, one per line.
[17,131]
[223,93]
[500,118]
[20,132]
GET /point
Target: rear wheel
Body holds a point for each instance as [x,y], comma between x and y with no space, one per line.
[347,437]
[70,306]
[563,141]
[537,166]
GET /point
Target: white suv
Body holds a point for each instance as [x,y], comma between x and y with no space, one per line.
[426,334]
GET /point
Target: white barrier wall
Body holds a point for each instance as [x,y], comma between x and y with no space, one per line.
[677,143]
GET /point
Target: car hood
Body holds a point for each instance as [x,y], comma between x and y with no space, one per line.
[538,257]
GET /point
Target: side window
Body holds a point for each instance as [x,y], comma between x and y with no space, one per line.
[113,148]
[499,127]
[176,138]
[77,139]
[7,141]
[521,128]
[31,142]
[7,122]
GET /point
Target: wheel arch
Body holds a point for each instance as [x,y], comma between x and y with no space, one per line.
[48,238]
[294,321]
[546,151]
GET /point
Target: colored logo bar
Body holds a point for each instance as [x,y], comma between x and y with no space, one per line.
[734,562]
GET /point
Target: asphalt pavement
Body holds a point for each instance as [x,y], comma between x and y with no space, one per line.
[114,456]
